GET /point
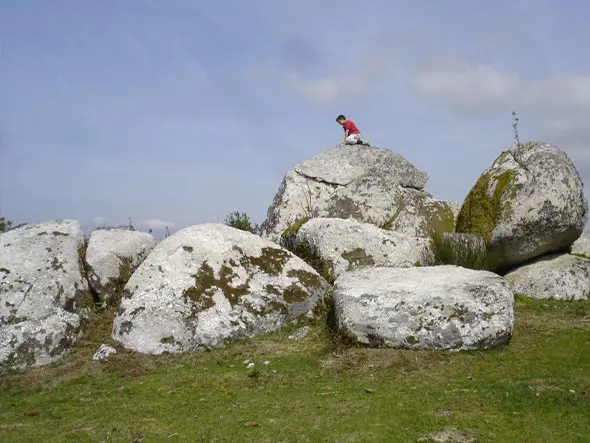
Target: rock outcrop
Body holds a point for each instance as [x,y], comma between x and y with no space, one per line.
[111,258]
[557,277]
[343,245]
[42,288]
[441,307]
[370,185]
[529,203]
[209,283]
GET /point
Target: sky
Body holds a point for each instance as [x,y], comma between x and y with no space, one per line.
[178,112]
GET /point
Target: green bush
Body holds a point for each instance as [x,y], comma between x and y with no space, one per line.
[240,220]
[5,225]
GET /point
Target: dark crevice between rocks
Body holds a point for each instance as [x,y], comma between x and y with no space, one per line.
[84,269]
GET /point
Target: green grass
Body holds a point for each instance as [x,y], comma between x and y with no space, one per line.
[536,389]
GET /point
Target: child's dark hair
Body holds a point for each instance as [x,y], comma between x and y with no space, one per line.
[340,117]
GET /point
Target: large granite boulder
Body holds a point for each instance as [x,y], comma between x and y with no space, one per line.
[529,203]
[112,256]
[343,245]
[371,185]
[440,307]
[42,289]
[210,283]
[557,277]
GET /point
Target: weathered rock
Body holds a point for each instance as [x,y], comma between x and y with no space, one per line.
[581,246]
[37,341]
[557,277]
[371,185]
[209,283]
[529,203]
[112,256]
[441,307]
[41,289]
[344,245]
[103,352]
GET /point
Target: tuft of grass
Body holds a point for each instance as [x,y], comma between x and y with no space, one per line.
[535,389]
[448,251]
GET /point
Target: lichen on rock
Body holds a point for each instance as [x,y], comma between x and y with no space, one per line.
[233,284]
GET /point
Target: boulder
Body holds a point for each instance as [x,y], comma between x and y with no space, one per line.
[343,245]
[371,185]
[42,288]
[112,256]
[529,203]
[557,277]
[581,246]
[210,283]
[440,307]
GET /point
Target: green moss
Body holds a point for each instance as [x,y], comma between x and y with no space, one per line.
[168,340]
[481,213]
[188,248]
[58,234]
[271,260]
[357,258]
[309,279]
[289,235]
[56,265]
[294,294]
[6,271]
[272,289]
[390,224]
[411,340]
[206,286]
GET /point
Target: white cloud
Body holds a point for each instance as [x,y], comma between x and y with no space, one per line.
[324,90]
[476,88]
[158,224]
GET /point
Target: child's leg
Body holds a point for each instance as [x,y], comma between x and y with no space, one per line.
[352,139]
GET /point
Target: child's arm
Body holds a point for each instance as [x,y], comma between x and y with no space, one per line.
[345,135]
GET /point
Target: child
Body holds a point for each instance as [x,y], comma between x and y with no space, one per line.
[352,135]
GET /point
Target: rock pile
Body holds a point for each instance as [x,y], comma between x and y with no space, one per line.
[354,225]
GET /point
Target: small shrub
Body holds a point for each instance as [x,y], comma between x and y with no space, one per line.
[240,220]
[465,254]
[5,225]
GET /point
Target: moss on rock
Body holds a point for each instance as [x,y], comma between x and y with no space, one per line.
[482,212]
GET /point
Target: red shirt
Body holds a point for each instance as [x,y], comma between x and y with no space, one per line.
[352,129]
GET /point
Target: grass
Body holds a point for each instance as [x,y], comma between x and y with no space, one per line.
[536,389]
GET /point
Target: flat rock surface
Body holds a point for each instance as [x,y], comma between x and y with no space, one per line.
[210,283]
[441,307]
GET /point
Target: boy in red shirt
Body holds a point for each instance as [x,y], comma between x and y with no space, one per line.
[352,135]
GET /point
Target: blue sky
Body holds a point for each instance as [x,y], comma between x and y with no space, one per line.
[178,112]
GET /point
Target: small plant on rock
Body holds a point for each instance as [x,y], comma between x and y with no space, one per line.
[515,126]
[241,220]
[5,225]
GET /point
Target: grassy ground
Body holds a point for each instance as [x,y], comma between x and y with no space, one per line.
[537,389]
